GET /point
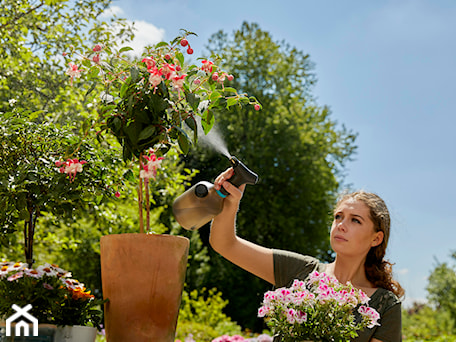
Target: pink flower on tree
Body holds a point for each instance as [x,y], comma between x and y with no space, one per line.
[155,77]
[71,167]
[168,70]
[150,169]
[73,71]
[97,48]
[207,66]
[178,81]
[150,62]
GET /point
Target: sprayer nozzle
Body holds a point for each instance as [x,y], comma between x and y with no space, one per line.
[242,175]
[234,161]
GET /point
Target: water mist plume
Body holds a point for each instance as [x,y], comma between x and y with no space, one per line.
[213,139]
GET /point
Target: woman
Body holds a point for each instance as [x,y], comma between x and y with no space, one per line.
[359,237]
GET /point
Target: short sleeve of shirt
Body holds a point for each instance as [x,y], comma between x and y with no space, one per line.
[289,266]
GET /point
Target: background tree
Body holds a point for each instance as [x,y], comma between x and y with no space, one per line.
[42,116]
[33,37]
[422,322]
[292,143]
[442,288]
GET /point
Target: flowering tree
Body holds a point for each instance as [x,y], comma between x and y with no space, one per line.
[152,104]
[40,165]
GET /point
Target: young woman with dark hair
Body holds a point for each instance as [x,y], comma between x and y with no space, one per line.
[359,238]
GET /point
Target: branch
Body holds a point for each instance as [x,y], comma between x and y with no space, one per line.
[15,19]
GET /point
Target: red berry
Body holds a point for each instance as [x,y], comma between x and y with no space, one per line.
[215,76]
[97,48]
[189,50]
[117,194]
[184,42]
[257,107]
[167,56]
[230,77]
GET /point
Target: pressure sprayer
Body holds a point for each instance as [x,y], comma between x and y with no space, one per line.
[201,203]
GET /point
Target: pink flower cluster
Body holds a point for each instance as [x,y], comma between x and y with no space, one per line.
[149,170]
[329,289]
[321,293]
[167,71]
[71,167]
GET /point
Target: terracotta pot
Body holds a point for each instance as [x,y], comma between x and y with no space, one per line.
[143,278]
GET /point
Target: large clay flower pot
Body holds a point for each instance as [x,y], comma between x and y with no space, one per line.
[143,277]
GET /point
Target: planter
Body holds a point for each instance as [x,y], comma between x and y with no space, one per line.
[76,333]
[143,278]
[52,333]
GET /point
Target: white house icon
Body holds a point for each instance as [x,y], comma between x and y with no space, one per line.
[22,312]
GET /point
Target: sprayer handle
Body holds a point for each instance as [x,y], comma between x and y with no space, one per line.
[241,175]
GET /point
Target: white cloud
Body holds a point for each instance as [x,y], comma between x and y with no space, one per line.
[112,11]
[145,34]
[402,271]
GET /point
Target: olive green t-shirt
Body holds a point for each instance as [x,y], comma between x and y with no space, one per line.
[289,266]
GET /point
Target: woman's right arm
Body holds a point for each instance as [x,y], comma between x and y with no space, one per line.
[253,258]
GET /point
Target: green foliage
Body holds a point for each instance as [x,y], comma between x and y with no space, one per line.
[296,148]
[424,323]
[146,101]
[30,181]
[33,36]
[442,288]
[201,315]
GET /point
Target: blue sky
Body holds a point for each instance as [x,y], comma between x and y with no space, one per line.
[386,69]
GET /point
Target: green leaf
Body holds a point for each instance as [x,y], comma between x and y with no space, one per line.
[124,88]
[94,71]
[180,57]
[231,101]
[190,121]
[125,48]
[134,72]
[215,96]
[207,121]
[146,133]
[183,141]
[230,89]
[126,153]
[129,175]
[193,100]
[158,45]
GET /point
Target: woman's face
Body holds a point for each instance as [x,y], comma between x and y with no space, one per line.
[352,231]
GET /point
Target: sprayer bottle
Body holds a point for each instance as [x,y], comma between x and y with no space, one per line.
[201,203]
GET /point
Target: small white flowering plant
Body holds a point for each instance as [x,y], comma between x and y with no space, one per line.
[56,298]
[319,309]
